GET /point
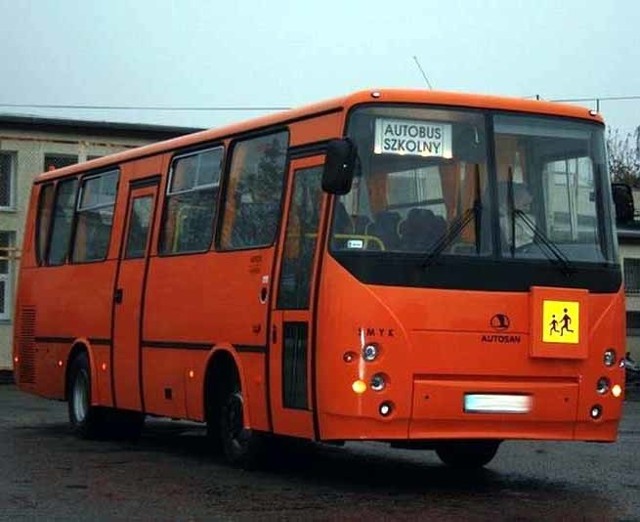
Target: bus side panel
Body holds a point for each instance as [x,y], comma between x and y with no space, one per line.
[256,391]
[164,383]
[67,302]
[317,129]
[342,412]
[195,302]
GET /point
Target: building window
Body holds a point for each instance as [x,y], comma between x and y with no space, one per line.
[7,256]
[57,161]
[7,180]
[631,275]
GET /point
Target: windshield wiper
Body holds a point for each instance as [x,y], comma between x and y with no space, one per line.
[474,212]
[553,252]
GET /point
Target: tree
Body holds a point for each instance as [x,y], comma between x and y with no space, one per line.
[624,157]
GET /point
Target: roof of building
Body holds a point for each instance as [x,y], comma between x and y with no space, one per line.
[95,128]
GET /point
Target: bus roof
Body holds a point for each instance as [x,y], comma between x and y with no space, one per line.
[453,99]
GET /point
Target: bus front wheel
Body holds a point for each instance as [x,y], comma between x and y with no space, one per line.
[242,447]
[86,420]
[467,454]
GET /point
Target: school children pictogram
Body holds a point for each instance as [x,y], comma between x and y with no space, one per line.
[561,321]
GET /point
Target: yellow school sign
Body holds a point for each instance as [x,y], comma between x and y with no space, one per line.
[560,322]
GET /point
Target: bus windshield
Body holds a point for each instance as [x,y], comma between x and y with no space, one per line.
[445,182]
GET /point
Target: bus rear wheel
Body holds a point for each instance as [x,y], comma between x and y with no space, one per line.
[86,420]
[242,447]
[467,454]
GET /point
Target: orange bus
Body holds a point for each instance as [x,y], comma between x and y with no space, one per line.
[427,269]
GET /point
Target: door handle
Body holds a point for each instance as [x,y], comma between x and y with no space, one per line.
[117,297]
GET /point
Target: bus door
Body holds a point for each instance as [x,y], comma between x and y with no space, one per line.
[128,294]
[292,324]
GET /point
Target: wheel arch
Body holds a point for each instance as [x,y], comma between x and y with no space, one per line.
[223,365]
[80,346]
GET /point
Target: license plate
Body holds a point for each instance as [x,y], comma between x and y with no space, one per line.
[496,403]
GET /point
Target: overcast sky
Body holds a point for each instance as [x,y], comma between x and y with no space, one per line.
[280,53]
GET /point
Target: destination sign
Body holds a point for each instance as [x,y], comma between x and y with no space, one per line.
[412,137]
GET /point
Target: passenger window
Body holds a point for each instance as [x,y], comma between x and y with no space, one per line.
[62,220]
[191,202]
[254,192]
[139,222]
[45,207]
[95,217]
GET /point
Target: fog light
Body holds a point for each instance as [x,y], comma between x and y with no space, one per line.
[359,387]
[370,352]
[616,391]
[603,385]
[596,411]
[609,357]
[385,409]
[378,382]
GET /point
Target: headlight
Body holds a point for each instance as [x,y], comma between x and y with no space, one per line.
[370,352]
[603,385]
[609,357]
[378,382]
[385,409]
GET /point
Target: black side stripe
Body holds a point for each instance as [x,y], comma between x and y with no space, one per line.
[47,339]
[69,340]
[178,345]
[245,348]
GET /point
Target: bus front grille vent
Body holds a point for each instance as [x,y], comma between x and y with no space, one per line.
[27,345]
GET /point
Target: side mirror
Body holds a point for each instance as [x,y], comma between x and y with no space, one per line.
[339,166]
[623,201]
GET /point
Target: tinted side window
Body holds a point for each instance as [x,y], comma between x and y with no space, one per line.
[139,222]
[62,220]
[191,202]
[95,217]
[254,192]
[45,207]
[301,238]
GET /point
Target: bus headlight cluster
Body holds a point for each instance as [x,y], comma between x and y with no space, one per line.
[385,409]
[370,352]
[596,411]
[378,382]
[609,358]
[603,385]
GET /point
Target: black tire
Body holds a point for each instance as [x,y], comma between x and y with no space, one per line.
[213,414]
[467,454]
[87,422]
[242,447]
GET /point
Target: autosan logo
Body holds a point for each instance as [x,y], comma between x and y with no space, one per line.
[500,323]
